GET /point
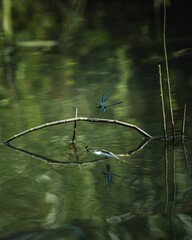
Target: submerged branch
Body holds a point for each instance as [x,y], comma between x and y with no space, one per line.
[76,119]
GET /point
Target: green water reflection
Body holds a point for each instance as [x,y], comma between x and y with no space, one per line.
[63,199]
[146,195]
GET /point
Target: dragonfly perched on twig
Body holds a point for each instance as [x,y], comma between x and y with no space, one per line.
[103,105]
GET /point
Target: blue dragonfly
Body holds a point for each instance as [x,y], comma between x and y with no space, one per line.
[103,105]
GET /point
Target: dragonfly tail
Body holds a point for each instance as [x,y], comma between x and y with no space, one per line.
[114,104]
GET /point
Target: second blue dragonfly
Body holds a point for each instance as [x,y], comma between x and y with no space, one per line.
[103,105]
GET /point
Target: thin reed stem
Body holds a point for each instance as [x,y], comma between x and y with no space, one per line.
[167,73]
[166,178]
[75,126]
[183,122]
[162,103]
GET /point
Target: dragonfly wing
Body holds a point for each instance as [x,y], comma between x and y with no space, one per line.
[104,98]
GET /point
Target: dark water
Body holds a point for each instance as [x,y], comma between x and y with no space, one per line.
[145,195]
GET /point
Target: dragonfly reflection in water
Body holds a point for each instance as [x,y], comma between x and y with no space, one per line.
[107,174]
[102,106]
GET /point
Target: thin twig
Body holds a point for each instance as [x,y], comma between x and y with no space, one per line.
[96,120]
[185,156]
[137,149]
[167,73]
[75,126]
[183,122]
[183,136]
[162,103]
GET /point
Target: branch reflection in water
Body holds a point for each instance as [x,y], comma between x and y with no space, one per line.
[103,153]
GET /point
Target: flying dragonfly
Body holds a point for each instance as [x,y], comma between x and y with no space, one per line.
[103,105]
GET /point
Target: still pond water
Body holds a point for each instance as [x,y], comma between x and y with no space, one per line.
[146,195]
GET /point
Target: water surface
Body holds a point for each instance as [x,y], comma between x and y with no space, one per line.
[145,195]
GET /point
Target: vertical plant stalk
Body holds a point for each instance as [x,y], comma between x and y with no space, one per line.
[183,123]
[162,103]
[183,136]
[165,138]
[174,193]
[171,189]
[167,73]
[185,156]
[75,126]
[166,179]
[7,19]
